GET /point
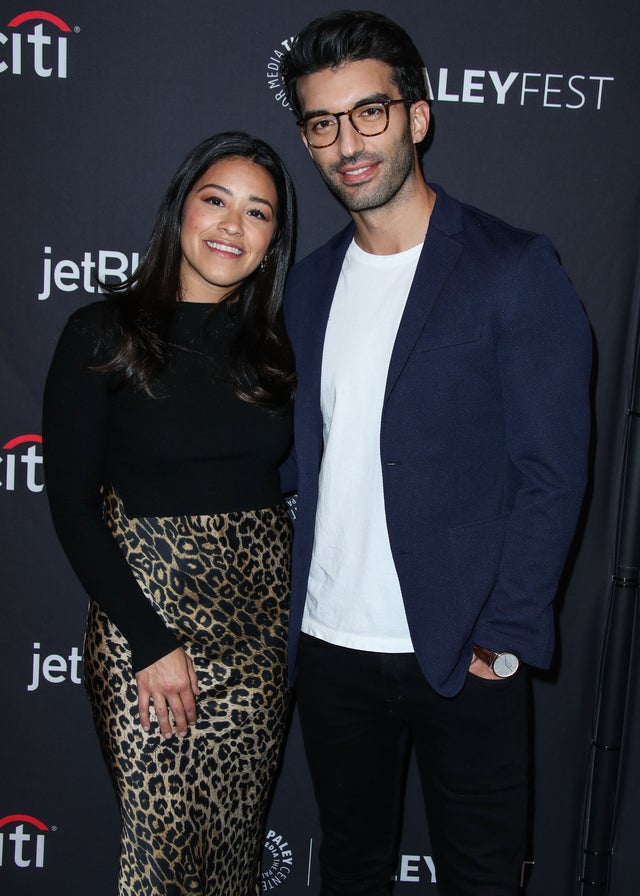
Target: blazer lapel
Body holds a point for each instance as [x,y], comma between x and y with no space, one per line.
[320,298]
[441,250]
[317,306]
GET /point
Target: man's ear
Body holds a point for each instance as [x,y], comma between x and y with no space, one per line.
[306,143]
[419,118]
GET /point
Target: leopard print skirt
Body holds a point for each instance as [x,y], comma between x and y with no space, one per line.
[193,808]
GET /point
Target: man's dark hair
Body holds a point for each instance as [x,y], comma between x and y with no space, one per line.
[352,36]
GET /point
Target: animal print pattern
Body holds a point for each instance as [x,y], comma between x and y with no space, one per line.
[193,808]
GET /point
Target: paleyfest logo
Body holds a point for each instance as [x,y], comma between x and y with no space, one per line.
[22,841]
[40,48]
[274,81]
[545,89]
[548,90]
[278,861]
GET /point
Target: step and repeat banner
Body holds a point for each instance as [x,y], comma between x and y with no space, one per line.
[535,120]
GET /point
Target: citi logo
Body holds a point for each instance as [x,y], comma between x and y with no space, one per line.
[21,462]
[42,50]
[22,841]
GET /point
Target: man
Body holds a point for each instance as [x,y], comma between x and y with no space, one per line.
[441,438]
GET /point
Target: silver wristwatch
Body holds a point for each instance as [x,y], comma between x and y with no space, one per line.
[504,665]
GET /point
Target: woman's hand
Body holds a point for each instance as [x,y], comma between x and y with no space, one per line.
[172,684]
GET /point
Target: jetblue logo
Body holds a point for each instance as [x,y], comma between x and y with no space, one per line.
[54,668]
[67,275]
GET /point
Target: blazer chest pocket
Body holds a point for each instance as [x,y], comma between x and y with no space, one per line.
[449,339]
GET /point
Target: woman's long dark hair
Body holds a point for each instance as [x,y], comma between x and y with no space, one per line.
[262,363]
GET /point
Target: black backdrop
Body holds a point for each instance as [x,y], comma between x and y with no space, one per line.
[535,109]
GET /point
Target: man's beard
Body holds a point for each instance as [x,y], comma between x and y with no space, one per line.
[399,168]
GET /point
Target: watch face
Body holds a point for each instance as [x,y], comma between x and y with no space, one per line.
[505,665]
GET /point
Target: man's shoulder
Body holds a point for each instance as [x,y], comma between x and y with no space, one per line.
[318,257]
[482,228]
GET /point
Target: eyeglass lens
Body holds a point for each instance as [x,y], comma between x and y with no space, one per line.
[369,119]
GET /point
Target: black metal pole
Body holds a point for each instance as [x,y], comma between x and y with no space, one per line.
[615,670]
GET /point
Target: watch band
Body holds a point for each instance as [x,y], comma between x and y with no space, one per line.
[487,656]
[508,662]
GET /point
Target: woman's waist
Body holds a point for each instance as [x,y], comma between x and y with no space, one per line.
[195,489]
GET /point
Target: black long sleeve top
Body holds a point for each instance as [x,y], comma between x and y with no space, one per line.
[196,448]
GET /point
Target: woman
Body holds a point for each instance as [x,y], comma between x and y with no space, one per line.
[167,412]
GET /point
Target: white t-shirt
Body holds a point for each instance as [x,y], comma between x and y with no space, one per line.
[353,596]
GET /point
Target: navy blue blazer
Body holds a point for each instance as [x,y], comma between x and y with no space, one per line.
[483,439]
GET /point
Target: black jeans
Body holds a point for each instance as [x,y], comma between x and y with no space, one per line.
[360,712]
